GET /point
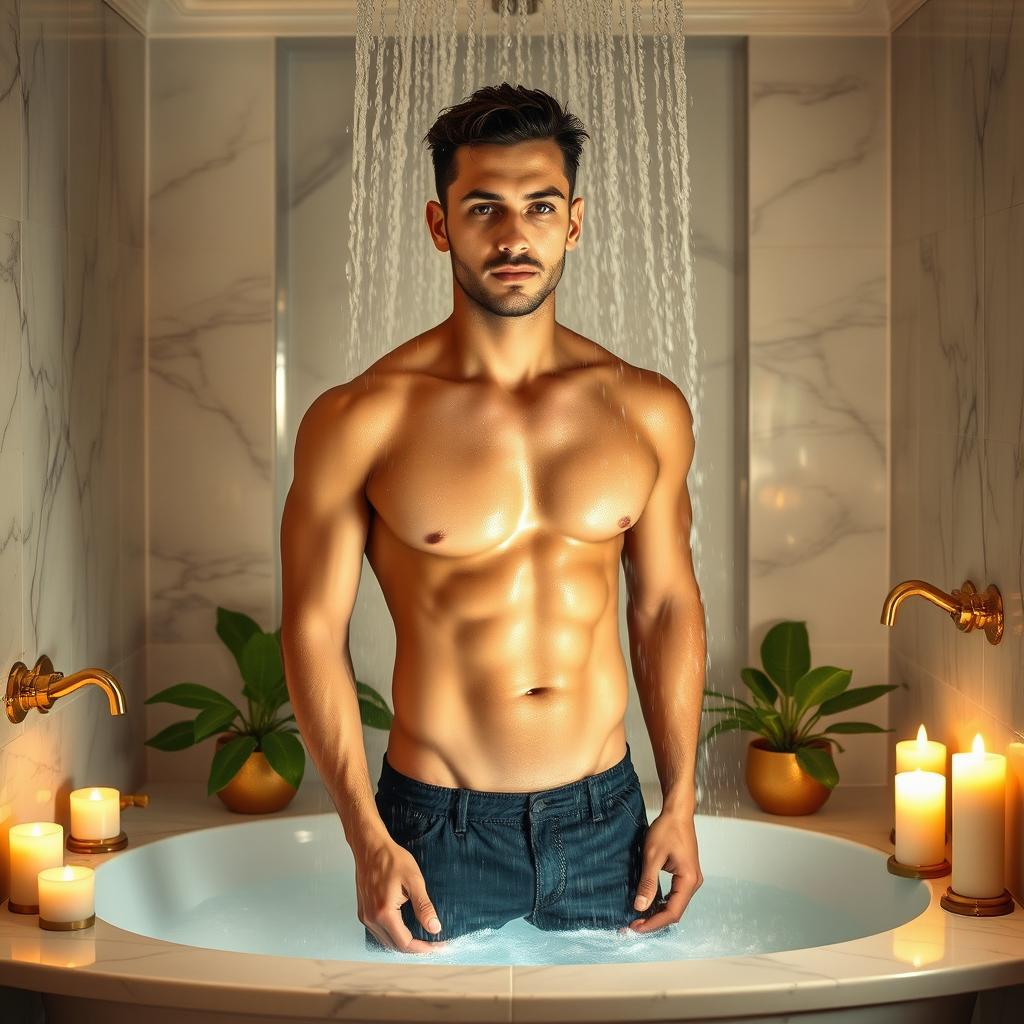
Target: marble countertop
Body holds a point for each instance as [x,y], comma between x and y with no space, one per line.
[947,953]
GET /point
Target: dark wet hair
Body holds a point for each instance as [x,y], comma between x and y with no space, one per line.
[503,115]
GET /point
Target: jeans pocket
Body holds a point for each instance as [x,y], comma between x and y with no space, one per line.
[631,799]
[406,825]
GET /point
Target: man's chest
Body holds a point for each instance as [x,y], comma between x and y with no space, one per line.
[463,478]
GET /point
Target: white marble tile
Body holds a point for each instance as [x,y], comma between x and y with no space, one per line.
[1002,690]
[818,136]
[934,115]
[1003,383]
[211,144]
[818,476]
[211,334]
[10,111]
[11,646]
[906,132]
[44,87]
[130,339]
[904,559]
[951,396]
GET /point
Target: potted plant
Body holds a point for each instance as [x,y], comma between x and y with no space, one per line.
[259,762]
[790,767]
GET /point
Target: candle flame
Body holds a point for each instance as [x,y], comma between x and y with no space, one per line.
[978,746]
[37,830]
[69,871]
[922,735]
[95,794]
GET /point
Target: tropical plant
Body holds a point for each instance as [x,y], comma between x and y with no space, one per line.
[258,656]
[789,697]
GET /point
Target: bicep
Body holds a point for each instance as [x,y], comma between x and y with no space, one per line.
[325,519]
[656,555]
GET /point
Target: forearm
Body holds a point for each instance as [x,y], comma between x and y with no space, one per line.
[668,652]
[321,686]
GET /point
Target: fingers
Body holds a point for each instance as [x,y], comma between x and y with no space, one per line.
[678,899]
[390,928]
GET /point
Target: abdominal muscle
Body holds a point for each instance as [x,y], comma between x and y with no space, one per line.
[509,675]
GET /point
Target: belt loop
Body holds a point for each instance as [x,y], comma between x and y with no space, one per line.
[596,813]
[460,813]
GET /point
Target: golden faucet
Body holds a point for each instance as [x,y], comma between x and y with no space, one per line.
[967,608]
[40,686]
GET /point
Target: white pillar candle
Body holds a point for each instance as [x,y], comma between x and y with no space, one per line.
[67,893]
[979,789]
[33,846]
[920,817]
[928,755]
[95,813]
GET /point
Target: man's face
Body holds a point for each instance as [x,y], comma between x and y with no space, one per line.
[484,233]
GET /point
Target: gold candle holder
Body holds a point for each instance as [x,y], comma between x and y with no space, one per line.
[112,843]
[896,867]
[980,906]
[67,926]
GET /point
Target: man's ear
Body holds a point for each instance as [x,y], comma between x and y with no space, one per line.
[436,225]
[575,223]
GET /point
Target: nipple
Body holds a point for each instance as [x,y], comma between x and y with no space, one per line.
[433,538]
[624,522]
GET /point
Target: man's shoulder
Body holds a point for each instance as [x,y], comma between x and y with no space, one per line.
[648,395]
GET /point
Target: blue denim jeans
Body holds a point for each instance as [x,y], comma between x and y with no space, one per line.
[563,858]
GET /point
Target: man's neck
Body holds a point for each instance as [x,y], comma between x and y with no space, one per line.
[508,351]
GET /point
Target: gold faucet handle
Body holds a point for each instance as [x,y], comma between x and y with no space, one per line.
[134,800]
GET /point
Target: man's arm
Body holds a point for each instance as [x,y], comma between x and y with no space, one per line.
[323,534]
[665,614]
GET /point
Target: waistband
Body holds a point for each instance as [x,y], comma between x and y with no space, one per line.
[585,794]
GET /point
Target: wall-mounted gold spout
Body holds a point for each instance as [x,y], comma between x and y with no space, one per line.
[967,608]
[40,686]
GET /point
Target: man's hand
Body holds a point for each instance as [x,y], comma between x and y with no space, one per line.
[670,844]
[387,876]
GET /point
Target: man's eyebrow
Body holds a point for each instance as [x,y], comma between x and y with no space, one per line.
[479,193]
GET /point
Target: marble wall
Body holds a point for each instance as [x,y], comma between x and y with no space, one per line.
[211,365]
[818,500]
[72,426]
[957,361]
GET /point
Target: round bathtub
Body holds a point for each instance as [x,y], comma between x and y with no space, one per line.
[257,922]
[285,887]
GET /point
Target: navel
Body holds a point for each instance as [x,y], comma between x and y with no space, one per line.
[624,522]
[434,538]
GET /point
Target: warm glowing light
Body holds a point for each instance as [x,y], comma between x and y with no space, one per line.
[978,746]
[95,794]
[922,736]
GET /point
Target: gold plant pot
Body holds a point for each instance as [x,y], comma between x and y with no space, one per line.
[256,788]
[777,782]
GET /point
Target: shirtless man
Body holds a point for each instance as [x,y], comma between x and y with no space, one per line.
[495,469]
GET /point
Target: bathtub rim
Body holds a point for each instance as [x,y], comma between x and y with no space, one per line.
[790,981]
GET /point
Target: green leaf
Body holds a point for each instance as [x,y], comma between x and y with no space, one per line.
[189,695]
[175,737]
[235,628]
[262,668]
[373,709]
[213,720]
[759,684]
[228,760]
[819,684]
[851,727]
[854,698]
[786,654]
[819,765]
[286,756]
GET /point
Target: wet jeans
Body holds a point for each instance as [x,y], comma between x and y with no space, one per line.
[563,858]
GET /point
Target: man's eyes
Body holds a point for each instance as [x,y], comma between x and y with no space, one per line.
[487,206]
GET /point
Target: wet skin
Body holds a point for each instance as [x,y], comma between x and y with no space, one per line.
[495,470]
